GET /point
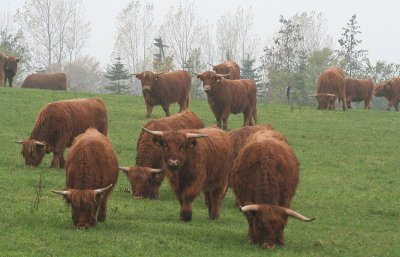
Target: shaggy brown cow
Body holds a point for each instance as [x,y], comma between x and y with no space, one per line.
[146,181]
[194,164]
[58,124]
[10,69]
[358,90]
[330,86]
[228,67]
[53,81]
[164,89]
[265,176]
[92,171]
[391,91]
[3,60]
[230,96]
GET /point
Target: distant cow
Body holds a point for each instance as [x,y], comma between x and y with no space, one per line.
[391,91]
[10,69]
[330,86]
[146,177]
[230,96]
[53,81]
[228,67]
[92,171]
[164,89]
[358,90]
[265,176]
[3,60]
[58,124]
[196,161]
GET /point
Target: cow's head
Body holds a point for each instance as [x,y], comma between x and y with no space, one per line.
[175,146]
[84,205]
[382,89]
[147,78]
[222,68]
[325,101]
[145,181]
[33,151]
[11,64]
[267,223]
[211,81]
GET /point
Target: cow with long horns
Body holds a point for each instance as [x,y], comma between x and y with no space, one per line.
[164,89]
[265,176]
[146,177]
[331,86]
[227,96]
[91,174]
[228,67]
[391,91]
[57,125]
[196,161]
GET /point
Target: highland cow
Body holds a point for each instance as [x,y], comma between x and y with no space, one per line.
[229,67]
[10,69]
[92,171]
[52,81]
[391,91]
[358,90]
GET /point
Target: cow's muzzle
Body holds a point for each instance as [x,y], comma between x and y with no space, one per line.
[83,226]
[146,88]
[173,164]
[207,88]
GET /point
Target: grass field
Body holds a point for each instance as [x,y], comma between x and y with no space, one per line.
[349,180]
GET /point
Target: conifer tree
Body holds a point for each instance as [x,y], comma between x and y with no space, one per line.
[118,76]
[248,71]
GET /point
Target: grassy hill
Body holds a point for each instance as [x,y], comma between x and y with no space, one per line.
[349,180]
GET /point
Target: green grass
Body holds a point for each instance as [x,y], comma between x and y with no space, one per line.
[349,180]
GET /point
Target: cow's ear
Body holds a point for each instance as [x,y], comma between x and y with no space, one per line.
[199,77]
[157,140]
[17,60]
[139,76]
[192,142]
[156,77]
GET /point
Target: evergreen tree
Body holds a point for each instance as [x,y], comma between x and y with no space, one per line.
[248,71]
[118,76]
[352,58]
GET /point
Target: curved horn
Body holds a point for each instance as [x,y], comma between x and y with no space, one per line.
[223,75]
[125,169]
[297,215]
[314,95]
[154,170]
[197,74]
[134,74]
[39,143]
[102,190]
[153,132]
[19,142]
[251,207]
[192,135]
[330,95]
[212,65]
[61,192]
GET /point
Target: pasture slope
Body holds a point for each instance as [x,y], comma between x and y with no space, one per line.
[349,180]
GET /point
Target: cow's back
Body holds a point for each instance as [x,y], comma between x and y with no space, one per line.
[331,81]
[91,162]
[358,89]
[173,86]
[53,81]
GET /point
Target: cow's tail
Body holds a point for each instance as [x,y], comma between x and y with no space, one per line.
[187,102]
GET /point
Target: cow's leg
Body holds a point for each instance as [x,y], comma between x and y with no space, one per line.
[218,119]
[102,215]
[224,117]
[396,105]
[215,204]
[247,118]
[207,200]
[149,110]
[344,103]
[390,104]
[55,162]
[166,109]
[186,210]
[10,81]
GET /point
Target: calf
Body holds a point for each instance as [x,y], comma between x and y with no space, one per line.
[391,91]
[265,176]
[92,171]
[358,90]
[164,89]
[145,178]
[58,124]
[230,96]
[196,161]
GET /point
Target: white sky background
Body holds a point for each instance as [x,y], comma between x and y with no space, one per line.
[378,20]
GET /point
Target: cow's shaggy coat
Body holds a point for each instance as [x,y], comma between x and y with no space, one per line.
[391,91]
[52,81]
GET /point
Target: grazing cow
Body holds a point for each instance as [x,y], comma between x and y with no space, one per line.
[3,60]
[58,124]
[164,89]
[92,171]
[53,81]
[228,67]
[265,176]
[10,69]
[358,90]
[146,177]
[196,161]
[391,91]
[230,96]
[330,86]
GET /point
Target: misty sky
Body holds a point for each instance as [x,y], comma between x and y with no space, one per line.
[378,20]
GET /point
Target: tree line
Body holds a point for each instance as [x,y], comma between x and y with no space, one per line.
[51,36]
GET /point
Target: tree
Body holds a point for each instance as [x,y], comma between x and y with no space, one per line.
[118,76]
[352,58]
[248,71]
